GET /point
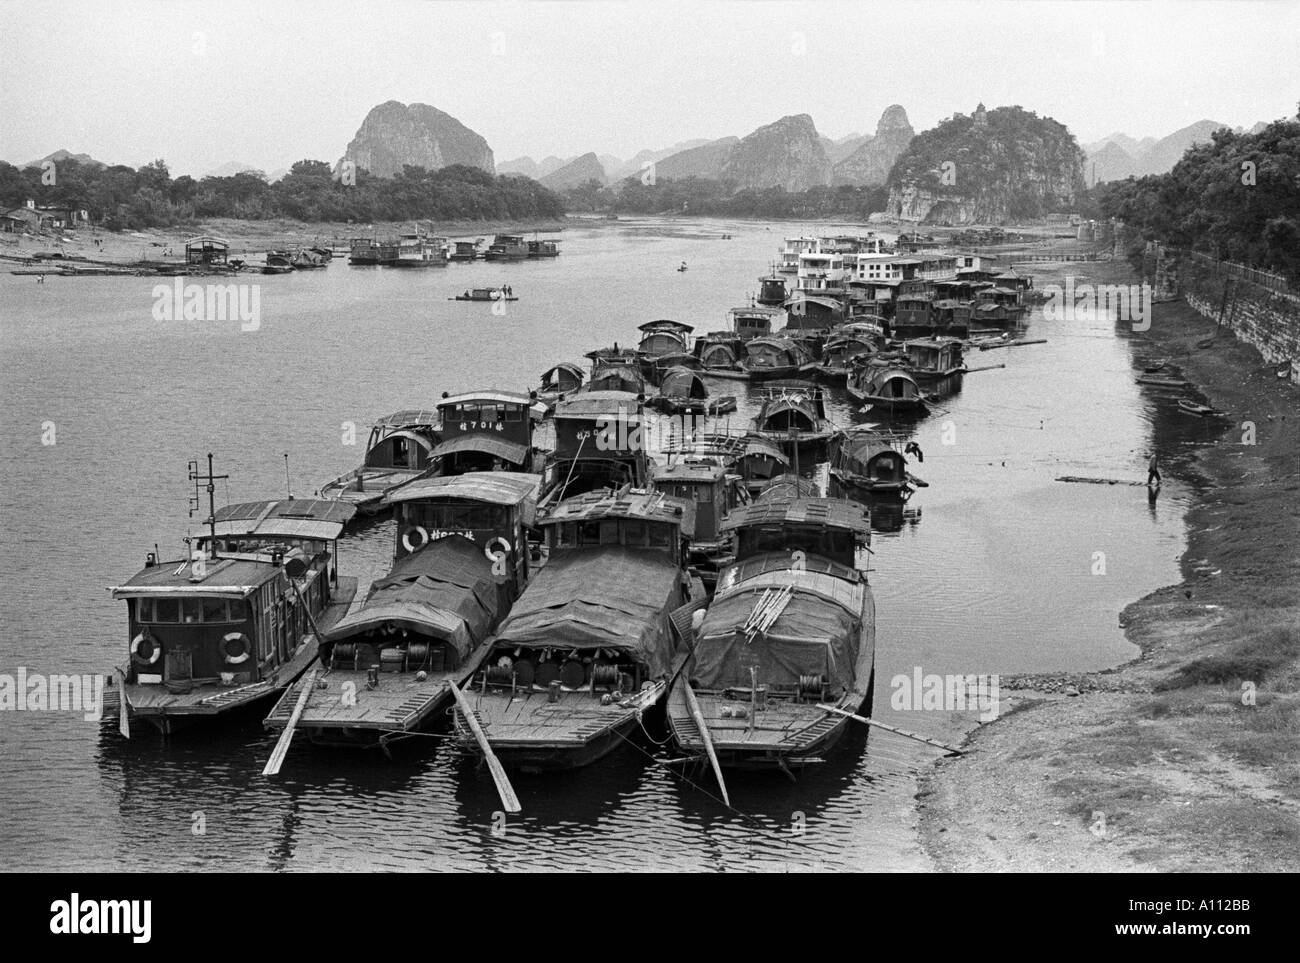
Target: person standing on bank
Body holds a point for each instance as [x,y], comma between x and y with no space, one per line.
[1153,471]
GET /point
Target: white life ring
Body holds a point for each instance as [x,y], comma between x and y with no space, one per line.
[244,644]
[491,555]
[155,650]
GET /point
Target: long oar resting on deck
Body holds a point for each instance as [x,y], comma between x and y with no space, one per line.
[281,749]
[894,729]
[509,801]
[693,704]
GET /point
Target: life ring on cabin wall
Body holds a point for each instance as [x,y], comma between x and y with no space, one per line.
[154,650]
[491,555]
[244,651]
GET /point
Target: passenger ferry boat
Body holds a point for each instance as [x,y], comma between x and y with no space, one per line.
[234,624]
[371,251]
[461,561]
[791,628]
[465,250]
[588,648]
[417,250]
[399,449]
[507,247]
[542,248]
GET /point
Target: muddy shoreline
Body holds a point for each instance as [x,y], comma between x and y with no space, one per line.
[1186,757]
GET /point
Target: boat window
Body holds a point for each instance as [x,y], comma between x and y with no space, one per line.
[167,610]
[238,610]
[704,494]
[144,610]
[660,536]
[634,533]
[214,610]
[609,534]
[513,412]
[191,610]
[589,533]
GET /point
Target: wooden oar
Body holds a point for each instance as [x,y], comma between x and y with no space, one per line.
[509,801]
[894,729]
[124,706]
[693,704]
[282,746]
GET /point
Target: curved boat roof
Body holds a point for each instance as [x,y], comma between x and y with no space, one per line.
[495,487]
[223,578]
[824,512]
[586,404]
[511,451]
[408,416]
[491,394]
[665,324]
[571,367]
[682,382]
[445,589]
[322,518]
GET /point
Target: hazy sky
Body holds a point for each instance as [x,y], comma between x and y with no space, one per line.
[271,82]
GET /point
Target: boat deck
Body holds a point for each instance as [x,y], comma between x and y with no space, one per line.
[397,704]
[210,699]
[527,720]
[782,729]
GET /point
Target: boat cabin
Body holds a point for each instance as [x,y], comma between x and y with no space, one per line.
[507,247]
[720,350]
[616,376]
[561,379]
[209,620]
[207,251]
[663,337]
[303,531]
[543,249]
[489,508]
[805,310]
[708,486]
[936,356]
[598,444]
[753,322]
[776,355]
[683,390]
[772,291]
[760,461]
[485,431]
[829,528]
[868,463]
[792,406]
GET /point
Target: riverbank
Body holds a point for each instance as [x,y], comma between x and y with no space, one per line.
[1186,757]
[247,237]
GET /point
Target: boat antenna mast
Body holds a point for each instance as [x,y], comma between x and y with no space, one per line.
[211,480]
[287,488]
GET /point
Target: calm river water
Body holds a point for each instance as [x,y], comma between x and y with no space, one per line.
[993,572]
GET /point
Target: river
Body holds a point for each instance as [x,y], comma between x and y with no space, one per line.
[997,569]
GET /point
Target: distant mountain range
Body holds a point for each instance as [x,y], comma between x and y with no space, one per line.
[1118,156]
[61,155]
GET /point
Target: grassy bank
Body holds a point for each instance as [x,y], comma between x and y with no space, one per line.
[1165,764]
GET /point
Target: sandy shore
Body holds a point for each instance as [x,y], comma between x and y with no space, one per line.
[1163,765]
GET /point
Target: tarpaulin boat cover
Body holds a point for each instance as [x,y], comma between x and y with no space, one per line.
[611,598]
[819,632]
[446,589]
